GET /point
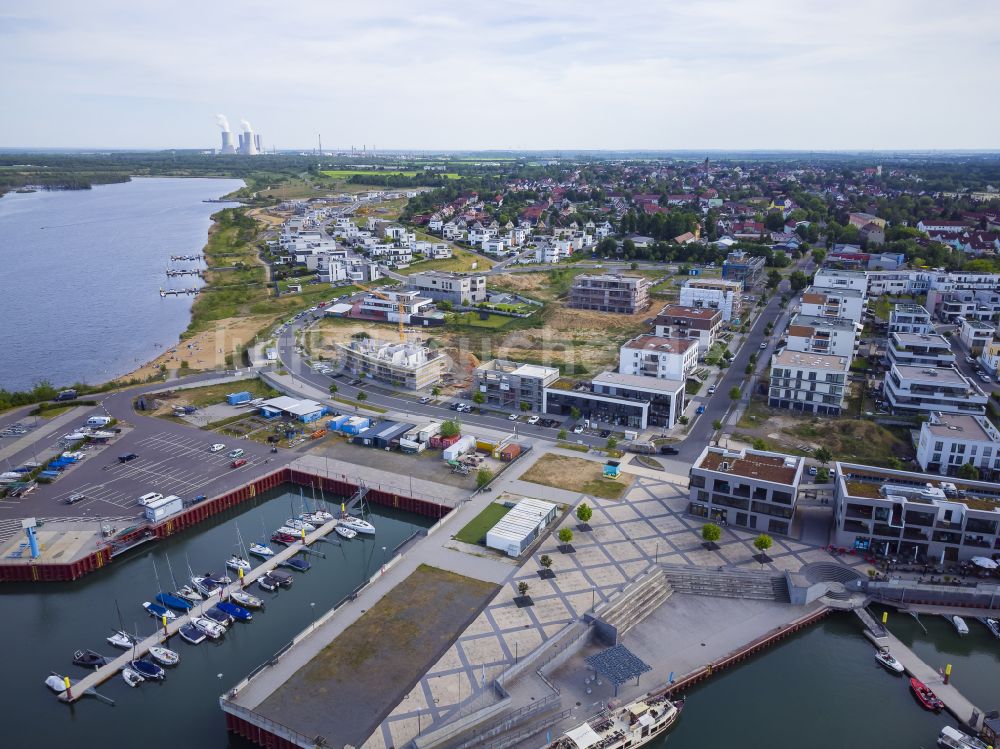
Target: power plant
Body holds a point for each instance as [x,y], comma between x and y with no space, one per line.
[250,143]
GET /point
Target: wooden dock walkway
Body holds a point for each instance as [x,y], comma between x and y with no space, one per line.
[953,700]
[104,673]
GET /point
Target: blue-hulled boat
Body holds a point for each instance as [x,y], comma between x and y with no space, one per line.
[174,602]
[296,564]
[158,612]
[147,669]
[238,613]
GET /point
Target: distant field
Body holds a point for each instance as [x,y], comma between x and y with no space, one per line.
[348,173]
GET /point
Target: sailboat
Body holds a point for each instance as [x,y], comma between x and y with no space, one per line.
[158,612]
[237,563]
[144,668]
[164,656]
[246,600]
[318,511]
[357,524]
[169,599]
[119,637]
[261,550]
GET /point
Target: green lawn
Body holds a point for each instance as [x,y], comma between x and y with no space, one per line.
[476,529]
[471,319]
[461,261]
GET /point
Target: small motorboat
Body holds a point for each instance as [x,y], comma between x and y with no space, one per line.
[206,585]
[313,518]
[209,627]
[357,524]
[158,612]
[238,613]
[190,633]
[344,532]
[952,738]
[174,602]
[268,583]
[960,626]
[89,659]
[147,669]
[927,699]
[164,656]
[261,550]
[220,579]
[237,563]
[219,616]
[284,579]
[132,677]
[296,564]
[121,639]
[300,525]
[323,515]
[57,683]
[993,625]
[883,656]
[285,530]
[283,538]
[246,600]
[188,593]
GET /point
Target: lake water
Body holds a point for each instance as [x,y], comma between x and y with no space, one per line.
[81,272]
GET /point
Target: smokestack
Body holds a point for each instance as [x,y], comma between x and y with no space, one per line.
[257,143]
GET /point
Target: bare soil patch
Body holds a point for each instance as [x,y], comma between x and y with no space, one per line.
[576,475]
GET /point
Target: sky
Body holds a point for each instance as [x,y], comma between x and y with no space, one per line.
[545,74]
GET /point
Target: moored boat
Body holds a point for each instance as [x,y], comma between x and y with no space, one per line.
[261,550]
[285,530]
[993,625]
[57,683]
[206,585]
[132,677]
[157,611]
[164,656]
[238,613]
[268,583]
[190,633]
[188,593]
[883,656]
[121,639]
[344,532]
[284,579]
[209,627]
[952,738]
[927,699]
[357,524]
[631,726]
[300,525]
[89,659]
[246,599]
[174,602]
[313,518]
[960,626]
[283,538]
[219,616]
[296,564]
[147,669]
[238,563]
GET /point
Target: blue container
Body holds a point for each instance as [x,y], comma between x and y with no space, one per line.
[235,399]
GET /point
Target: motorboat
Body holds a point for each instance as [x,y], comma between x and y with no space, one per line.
[313,519]
[121,639]
[632,725]
[283,538]
[238,613]
[927,699]
[219,616]
[164,656]
[57,683]
[960,626]
[322,515]
[158,612]
[237,563]
[209,627]
[246,600]
[883,656]
[300,525]
[220,579]
[190,633]
[296,564]
[147,669]
[89,659]
[357,524]
[344,532]
[174,602]
[206,585]
[268,583]
[261,550]
[132,677]
[993,625]
[284,579]
[952,738]
[188,593]
[287,530]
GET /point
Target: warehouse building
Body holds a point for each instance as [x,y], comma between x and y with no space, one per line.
[305,411]
[516,530]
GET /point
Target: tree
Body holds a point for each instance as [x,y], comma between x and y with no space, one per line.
[574,413]
[818,255]
[483,477]
[823,455]
[333,388]
[478,398]
[562,434]
[762,543]
[822,476]
[734,393]
[565,535]
[449,428]
[362,396]
[759,444]
[893,462]
[968,471]
[522,589]
[545,560]
[525,406]
[773,279]
[717,424]
[584,513]
[711,533]
[798,280]
[634,266]
[612,443]
[435,391]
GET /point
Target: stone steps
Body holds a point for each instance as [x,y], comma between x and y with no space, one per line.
[637,601]
[725,583]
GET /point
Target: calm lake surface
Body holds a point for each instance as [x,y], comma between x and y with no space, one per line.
[81,272]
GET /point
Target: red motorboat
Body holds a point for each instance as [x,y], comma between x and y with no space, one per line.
[283,538]
[927,699]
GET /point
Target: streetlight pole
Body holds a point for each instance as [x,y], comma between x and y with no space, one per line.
[312,611]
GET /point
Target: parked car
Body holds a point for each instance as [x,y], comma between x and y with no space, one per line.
[127,457]
[763,345]
[72,499]
[237,463]
[711,389]
[668,450]
[969,359]
[218,447]
[813,470]
[533,419]
[578,429]
[605,433]
[512,417]
[700,410]
[425,399]
[237,453]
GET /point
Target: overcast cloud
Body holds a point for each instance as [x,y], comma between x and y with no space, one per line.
[665,74]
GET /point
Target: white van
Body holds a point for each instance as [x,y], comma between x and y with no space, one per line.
[98,421]
[146,499]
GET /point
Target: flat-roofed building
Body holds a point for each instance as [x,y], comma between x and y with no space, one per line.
[620,400]
[752,489]
[703,324]
[821,335]
[926,389]
[518,529]
[975,334]
[508,384]
[990,358]
[834,278]
[909,318]
[746,269]
[610,292]
[902,514]
[714,293]
[664,396]
[812,383]
[847,303]
[920,350]
[949,441]
[406,365]
[457,288]
[653,356]
[981,304]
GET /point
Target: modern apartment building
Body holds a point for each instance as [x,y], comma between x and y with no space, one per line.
[909,318]
[508,384]
[949,441]
[821,335]
[456,288]
[834,278]
[703,324]
[983,305]
[621,400]
[926,389]
[609,292]
[405,365]
[393,305]
[747,488]
[903,515]
[990,358]
[665,358]
[975,334]
[823,302]
[743,268]
[919,350]
[714,293]
[812,383]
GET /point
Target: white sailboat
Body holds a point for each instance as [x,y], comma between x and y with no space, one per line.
[960,626]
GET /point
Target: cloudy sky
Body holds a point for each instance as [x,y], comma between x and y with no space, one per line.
[658,74]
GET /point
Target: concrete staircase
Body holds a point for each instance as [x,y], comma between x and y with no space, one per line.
[636,602]
[727,583]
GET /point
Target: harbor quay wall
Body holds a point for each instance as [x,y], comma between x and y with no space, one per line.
[195,514]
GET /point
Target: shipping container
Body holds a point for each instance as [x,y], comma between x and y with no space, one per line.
[508,452]
[235,399]
[459,448]
[440,443]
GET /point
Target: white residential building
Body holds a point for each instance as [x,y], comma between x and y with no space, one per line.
[457,288]
[391,305]
[909,318]
[405,365]
[664,358]
[975,334]
[703,324]
[834,302]
[832,278]
[920,350]
[725,296]
[812,383]
[821,335]
[990,358]
[926,389]
[949,441]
